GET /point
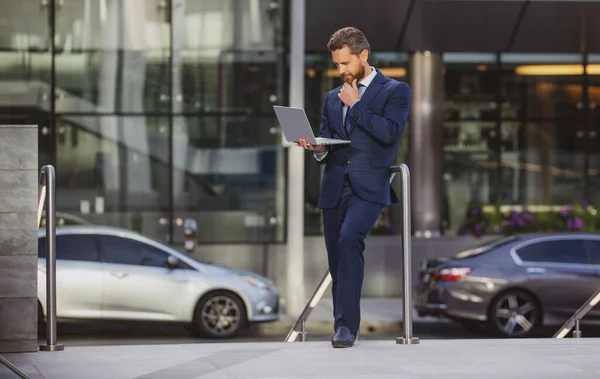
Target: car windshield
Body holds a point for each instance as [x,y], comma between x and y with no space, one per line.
[487,246]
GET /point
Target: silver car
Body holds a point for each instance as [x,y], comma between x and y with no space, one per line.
[105,273]
[511,286]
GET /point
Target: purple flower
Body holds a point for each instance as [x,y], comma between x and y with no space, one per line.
[584,204]
[570,207]
[575,223]
[477,230]
[521,222]
[564,213]
[475,212]
[515,215]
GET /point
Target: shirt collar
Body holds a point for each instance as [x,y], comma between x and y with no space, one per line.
[366,81]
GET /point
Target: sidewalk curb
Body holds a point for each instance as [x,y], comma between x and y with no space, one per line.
[367,327]
[283,327]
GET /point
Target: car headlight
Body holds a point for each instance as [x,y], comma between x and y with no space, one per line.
[258,283]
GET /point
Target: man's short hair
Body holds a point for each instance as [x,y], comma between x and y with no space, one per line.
[351,37]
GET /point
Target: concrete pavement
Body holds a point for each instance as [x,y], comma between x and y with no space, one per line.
[465,359]
[378,316]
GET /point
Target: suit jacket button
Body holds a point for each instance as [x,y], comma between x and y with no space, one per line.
[349,162]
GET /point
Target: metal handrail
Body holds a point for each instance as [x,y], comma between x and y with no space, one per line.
[47,195]
[13,368]
[578,315]
[407,324]
[299,328]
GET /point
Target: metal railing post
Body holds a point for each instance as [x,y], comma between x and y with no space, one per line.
[577,332]
[41,196]
[407,338]
[578,315]
[299,327]
[50,185]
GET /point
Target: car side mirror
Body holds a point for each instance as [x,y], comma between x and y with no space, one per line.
[172,262]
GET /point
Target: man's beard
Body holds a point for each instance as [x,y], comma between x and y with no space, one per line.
[359,76]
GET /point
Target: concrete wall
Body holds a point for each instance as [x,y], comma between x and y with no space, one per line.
[383,260]
[18,238]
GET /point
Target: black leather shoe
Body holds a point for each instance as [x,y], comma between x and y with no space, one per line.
[343,338]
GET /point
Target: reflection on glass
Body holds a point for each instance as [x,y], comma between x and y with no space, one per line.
[234,83]
[593,173]
[544,165]
[219,62]
[114,171]
[543,85]
[112,55]
[593,185]
[230,189]
[226,57]
[24,56]
[470,135]
[110,81]
[594,87]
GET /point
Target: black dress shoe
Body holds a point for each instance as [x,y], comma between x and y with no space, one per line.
[343,338]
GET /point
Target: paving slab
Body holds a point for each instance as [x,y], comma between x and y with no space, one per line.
[485,358]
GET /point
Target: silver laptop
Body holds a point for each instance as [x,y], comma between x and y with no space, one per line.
[295,125]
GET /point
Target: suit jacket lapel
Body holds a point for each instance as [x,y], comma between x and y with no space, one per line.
[373,88]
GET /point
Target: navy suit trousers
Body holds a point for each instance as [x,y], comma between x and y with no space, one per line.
[345,229]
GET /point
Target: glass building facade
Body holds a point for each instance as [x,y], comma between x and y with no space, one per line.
[518,128]
[157,111]
[153,111]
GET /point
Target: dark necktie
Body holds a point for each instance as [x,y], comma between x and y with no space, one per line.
[347,119]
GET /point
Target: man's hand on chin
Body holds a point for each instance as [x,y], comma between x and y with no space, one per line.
[349,93]
[316,148]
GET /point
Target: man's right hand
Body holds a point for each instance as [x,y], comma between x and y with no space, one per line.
[316,148]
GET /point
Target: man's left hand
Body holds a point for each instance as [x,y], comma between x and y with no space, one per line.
[349,93]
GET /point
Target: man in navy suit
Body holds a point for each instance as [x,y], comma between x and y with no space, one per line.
[370,110]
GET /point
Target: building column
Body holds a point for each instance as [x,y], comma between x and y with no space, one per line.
[18,238]
[295,186]
[426,150]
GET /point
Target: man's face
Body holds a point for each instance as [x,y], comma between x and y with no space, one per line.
[350,66]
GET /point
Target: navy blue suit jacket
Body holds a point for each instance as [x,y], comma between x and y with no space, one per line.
[377,121]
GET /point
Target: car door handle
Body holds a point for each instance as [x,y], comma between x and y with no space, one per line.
[119,275]
[536,270]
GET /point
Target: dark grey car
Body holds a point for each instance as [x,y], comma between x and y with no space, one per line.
[515,284]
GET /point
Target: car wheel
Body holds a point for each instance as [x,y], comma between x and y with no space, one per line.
[514,313]
[220,314]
